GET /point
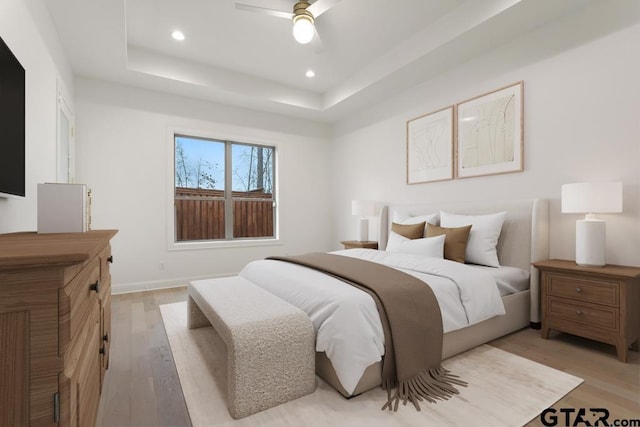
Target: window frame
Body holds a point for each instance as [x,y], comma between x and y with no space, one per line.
[65,144]
[171,233]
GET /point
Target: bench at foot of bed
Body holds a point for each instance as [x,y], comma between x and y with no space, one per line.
[270,343]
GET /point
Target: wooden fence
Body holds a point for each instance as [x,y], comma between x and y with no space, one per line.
[200,214]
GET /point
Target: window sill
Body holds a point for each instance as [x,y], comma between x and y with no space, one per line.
[222,244]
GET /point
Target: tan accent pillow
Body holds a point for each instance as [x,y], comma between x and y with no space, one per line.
[410,231]
[455,241]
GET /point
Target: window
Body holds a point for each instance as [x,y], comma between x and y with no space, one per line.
[224,190]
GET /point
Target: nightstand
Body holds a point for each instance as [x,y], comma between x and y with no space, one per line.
[351,244]
[600,303]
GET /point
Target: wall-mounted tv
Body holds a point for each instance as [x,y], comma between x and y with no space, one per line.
[12,124]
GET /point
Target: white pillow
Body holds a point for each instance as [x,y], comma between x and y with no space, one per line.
[427,246]
[432,218]
[483,238]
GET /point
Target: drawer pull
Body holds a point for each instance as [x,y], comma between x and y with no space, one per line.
[102,350]
[110,259]
[578,289]
[105,337]
[95,286]
[578,312]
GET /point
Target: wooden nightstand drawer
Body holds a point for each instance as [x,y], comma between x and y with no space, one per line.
[586,314]
[595,291]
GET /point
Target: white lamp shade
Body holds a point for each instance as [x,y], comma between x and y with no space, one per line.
[592,197]
[303,29]
[365,208]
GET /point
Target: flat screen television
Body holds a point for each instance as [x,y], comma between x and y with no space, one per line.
[12,124]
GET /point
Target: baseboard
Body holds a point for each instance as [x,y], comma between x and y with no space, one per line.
[127,288]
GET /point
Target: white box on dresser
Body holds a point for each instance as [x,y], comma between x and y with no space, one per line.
[64,208]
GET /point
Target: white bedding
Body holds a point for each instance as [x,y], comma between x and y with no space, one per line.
[346,320]
[510,280]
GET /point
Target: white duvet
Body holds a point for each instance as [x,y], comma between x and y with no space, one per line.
[347,323]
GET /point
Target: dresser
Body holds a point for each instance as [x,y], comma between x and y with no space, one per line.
[55,326]
[600,303]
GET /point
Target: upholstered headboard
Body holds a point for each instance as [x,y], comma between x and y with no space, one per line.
[524,238]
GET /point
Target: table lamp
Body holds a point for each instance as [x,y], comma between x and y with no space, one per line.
[364,209]
[591,198]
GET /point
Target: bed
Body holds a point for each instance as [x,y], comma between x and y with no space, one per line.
[523,239]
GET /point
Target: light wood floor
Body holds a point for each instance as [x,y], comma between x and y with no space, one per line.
[142,386]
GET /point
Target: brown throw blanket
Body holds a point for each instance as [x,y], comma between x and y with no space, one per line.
[412,325]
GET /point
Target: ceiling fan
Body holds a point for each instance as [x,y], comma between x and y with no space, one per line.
[303,16]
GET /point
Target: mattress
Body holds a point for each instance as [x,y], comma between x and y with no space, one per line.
[346,319]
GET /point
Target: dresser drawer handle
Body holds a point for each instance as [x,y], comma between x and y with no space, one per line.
[578,289]
[110,259]
[95,286]
[578,312]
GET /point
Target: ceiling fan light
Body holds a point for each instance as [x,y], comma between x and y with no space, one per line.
[303,29]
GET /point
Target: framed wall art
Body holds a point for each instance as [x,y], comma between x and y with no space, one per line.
[490,133]
[430,147]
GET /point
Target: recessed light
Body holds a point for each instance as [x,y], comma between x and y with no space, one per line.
[178,35]
[310,73]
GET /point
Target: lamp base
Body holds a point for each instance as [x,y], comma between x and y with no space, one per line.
[590,243]
[363,229]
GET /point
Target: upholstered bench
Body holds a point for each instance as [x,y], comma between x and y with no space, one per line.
[270,343]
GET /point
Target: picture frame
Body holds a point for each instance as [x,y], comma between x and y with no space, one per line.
[430,147]
[490,133]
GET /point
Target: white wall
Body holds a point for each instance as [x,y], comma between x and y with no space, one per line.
[122,154]
[581,112]
[27,29]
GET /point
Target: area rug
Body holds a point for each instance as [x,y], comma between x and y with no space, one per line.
[504,389]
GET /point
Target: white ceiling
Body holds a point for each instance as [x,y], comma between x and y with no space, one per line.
[368,50]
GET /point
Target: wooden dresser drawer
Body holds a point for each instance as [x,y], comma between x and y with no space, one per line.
[76,300]
[83,353]
[105,262]
[595,291]
[105,332]
[79,343]
[587,314]
[105,273]
[89,381]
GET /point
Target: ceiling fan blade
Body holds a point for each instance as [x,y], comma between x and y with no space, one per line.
[264,11]
[321,6]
